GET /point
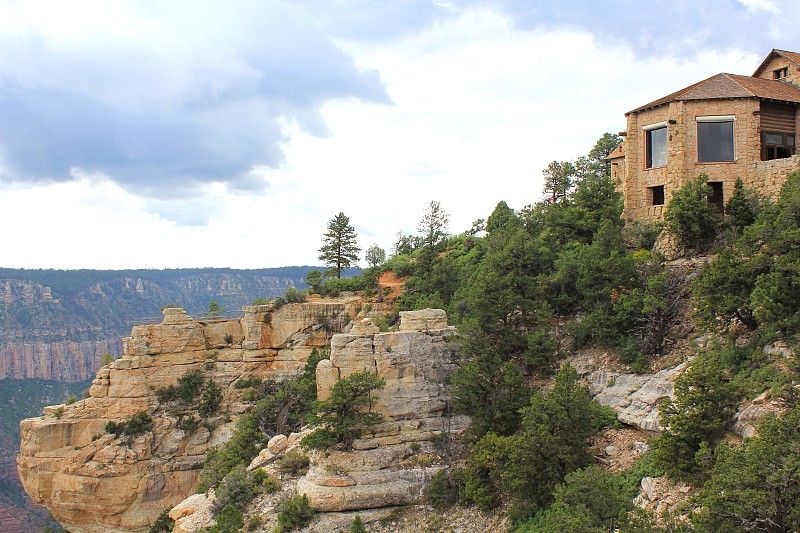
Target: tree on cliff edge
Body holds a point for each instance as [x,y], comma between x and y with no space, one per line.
[339,249]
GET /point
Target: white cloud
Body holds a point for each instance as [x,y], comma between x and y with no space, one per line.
[480,106]
[763,5]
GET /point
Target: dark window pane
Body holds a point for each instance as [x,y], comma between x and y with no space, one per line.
[714,141]
[657,195]
[657,147]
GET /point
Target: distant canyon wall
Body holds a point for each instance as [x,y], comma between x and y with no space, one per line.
[61,361]
[59,324]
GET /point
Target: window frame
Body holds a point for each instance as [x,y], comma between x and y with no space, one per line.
[648,144]
[771,149]
[780,73]
[716,119]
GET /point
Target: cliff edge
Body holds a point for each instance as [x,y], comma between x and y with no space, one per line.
[93,479]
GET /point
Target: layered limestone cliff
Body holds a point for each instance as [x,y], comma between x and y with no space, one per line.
[384,468]
[390,466]
[93,481]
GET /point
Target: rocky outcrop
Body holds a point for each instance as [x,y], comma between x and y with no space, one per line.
[92,481]
[392,465]
[635,397]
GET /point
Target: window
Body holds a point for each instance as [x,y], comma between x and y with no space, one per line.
[715,139]
[777,145]
[716,197]
[655,195]
[655,145]
[781,73]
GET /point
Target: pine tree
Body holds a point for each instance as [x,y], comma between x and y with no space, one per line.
[339,249]
[433,225]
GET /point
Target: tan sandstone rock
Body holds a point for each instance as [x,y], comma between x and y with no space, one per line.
[381,469]
[93,482]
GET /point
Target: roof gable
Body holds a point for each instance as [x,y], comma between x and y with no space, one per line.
[793,57]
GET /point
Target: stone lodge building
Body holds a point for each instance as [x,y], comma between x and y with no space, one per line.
[726,126]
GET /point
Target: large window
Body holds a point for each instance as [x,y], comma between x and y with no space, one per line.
[715,139]
[656,145]
[777,145]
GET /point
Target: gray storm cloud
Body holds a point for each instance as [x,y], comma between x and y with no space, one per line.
[200,98]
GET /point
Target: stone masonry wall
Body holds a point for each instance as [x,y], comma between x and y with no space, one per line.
[766,177]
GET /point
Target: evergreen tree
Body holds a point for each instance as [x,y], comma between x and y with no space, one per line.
[558,181]
[551,443]
[695,420]
[756,487]
[433,225]
[742,207]
[690,217]
[339,249]
[341,418]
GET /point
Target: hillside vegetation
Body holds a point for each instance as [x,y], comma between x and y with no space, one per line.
[530,288]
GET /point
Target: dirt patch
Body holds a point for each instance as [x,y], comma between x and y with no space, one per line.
[617,450]
[392,286]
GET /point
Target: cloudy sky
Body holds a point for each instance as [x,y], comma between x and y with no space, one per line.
[157,134]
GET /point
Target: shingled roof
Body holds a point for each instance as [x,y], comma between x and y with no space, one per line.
[730,86]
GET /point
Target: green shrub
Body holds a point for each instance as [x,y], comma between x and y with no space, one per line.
[246,383]
[114,428]
[340,419]
[695,420]
[58,413]
[188,424]
[271,484]
[690,217]
[71,400]
[138,424]
[643,235]
[443,490]
[189,386]
[229,520]
[551,443]
[254,522]
[163,523]
[293,463]
[212,398]
[228,339]
[295,296]
[357,525]
[238,488]
[294,513]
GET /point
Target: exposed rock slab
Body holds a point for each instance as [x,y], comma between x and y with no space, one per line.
[635,397]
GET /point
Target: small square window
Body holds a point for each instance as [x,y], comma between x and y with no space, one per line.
[655,195]
[781,73]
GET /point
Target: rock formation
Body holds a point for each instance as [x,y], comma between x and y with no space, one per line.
[635,397]
[388,467]
[93,481]
[393,464]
